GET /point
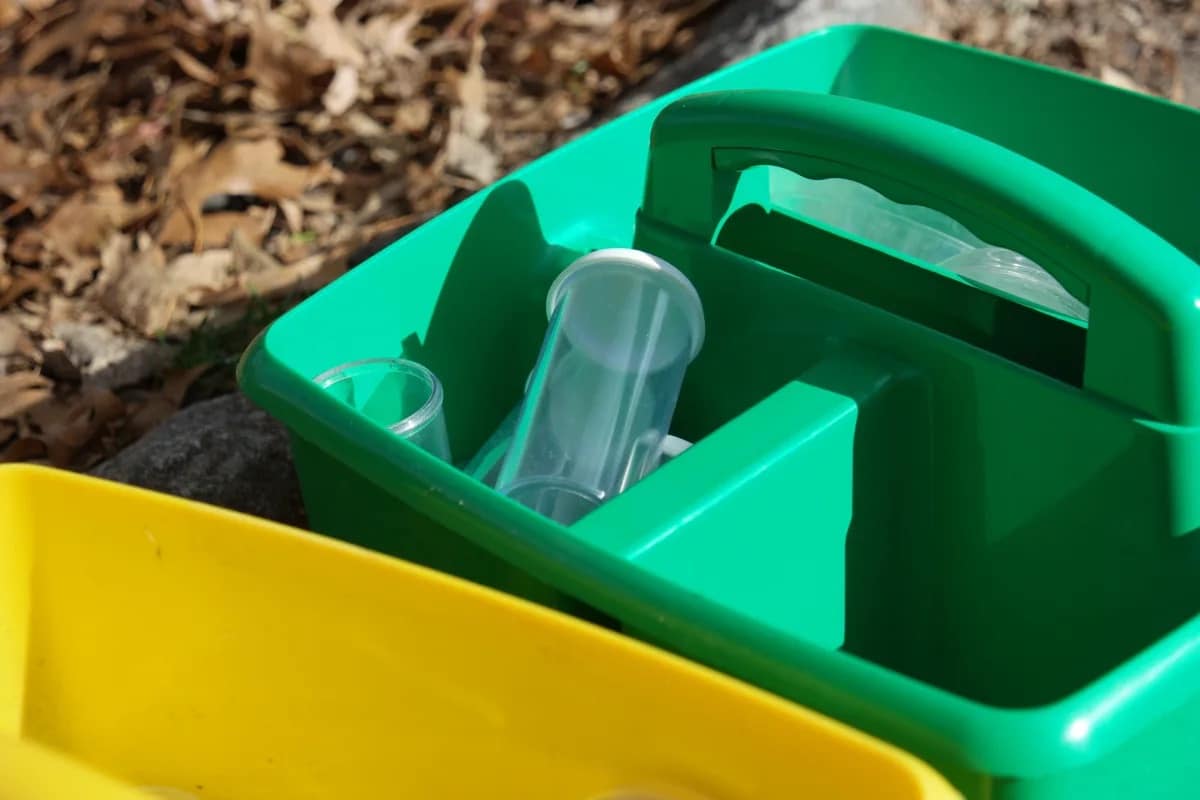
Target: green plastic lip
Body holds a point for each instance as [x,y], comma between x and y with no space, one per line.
[624,259]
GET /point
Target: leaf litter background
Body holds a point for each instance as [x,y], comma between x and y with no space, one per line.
[174,174]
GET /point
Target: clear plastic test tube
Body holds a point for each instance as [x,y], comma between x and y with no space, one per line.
[623,327]
[401,395]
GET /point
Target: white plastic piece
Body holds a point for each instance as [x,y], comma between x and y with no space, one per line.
[673,447]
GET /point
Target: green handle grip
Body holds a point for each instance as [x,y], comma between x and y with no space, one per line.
[1143,340]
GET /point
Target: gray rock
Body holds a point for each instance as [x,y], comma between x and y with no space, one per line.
[225,452]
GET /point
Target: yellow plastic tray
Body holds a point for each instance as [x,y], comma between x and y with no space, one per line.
[29,771]
[175,645]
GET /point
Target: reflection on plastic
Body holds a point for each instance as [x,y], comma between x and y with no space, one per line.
[923,234]
[485,465]
[623,326]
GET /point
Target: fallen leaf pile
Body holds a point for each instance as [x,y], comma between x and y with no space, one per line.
[166,166]
[1145,45]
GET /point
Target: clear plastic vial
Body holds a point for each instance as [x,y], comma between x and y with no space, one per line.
[401,395]
[623,327]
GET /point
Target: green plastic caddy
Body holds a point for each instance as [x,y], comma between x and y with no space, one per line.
[931,510]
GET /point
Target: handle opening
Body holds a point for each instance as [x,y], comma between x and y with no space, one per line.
[1143,341]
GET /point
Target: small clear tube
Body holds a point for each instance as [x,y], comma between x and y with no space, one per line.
[401,395]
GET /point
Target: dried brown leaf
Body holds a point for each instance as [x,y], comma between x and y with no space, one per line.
[290,249]
[24,171]
[192,275]
[329,36]
[363,125]
[386,35]
[320,201]
[598,17]
[1115,77]
[413,116]
[97,18]
[252,168]
[216,229]
[211,11]
[195,68]
[25,448]
[147,414]
[157,407]
[342,92]
[28,321]
[104,169]
[114,253]
[22,391]
[293,214]
[86,220]
[133,48]
[85,418]
[185,154]
[177,382]
[26,248]
[466,152]
[22,282]
[284,67]
[248,257]
[237,167]
[149,294]
[472,97]
[14,340]
[10,12]
[471,157]
[133,292]
[76,273]
[260,275]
